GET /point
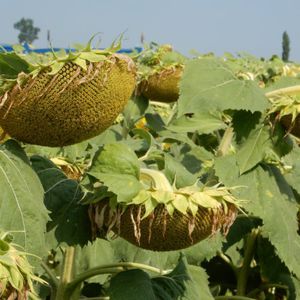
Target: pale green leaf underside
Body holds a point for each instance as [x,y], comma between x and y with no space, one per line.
[254,149]
[22,210]
[267,202]
[203,122]
[209,85]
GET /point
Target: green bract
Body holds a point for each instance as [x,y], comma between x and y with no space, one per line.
[286,107]
[16,274]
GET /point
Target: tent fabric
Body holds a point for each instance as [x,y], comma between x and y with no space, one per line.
[28,49]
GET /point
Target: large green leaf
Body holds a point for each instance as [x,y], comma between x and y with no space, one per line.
[254,149]
[209,85]
[22,209]
[131,285]
[271,267]
[95,254]
[243,123]
[296,283]
[203,122]
[265,200]
[11,65]
[197,287]
[173,285]
[137,284]
[292,160]
[117,166]
[115,158]
[177,173]
[69,218]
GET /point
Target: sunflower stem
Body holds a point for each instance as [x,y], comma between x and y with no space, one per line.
[108,269]
[263,287]
[284,91]
[243,274]
[67,273]
[53,280]
[225,142]
[233,298]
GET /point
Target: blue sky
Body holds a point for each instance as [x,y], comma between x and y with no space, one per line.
[217,26]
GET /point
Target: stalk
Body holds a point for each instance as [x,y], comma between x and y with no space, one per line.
[248,257]
[67,273]
[233,298]
[108,269]
[284,91]
[268,286]
[225,142]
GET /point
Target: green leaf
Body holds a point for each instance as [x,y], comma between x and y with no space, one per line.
[243,123]
[69,219]
[115,158]
[277,211]
[203,122]
[296,283]
[209,85]
[131,285]
[22,209]
[253,150]
[271,267]
[12,64]
[198,286]
[123,185]
[155,122]
[241,226]
[176,172]
[173,285]
[292,176]
[97,253]
[134,109]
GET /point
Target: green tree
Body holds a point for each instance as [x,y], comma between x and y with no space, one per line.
[28,33]
[285,46]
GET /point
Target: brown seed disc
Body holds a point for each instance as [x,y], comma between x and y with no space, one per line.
[71,106]
[160,231]
[163,86]
[295,129]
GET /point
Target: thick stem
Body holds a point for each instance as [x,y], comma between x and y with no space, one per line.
[228,261]
[67,273]
[233,298]
[109,269]
[54,281]
[263,287]
[284,91]
[248,256]
[225,142]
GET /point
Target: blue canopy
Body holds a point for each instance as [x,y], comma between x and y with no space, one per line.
[9,48]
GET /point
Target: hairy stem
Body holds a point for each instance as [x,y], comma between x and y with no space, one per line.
[67,273]
[228,261]
[284,91]
[109,269]
[263,287]
[248,256]
[225,142]
[233,298]
[54,281]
